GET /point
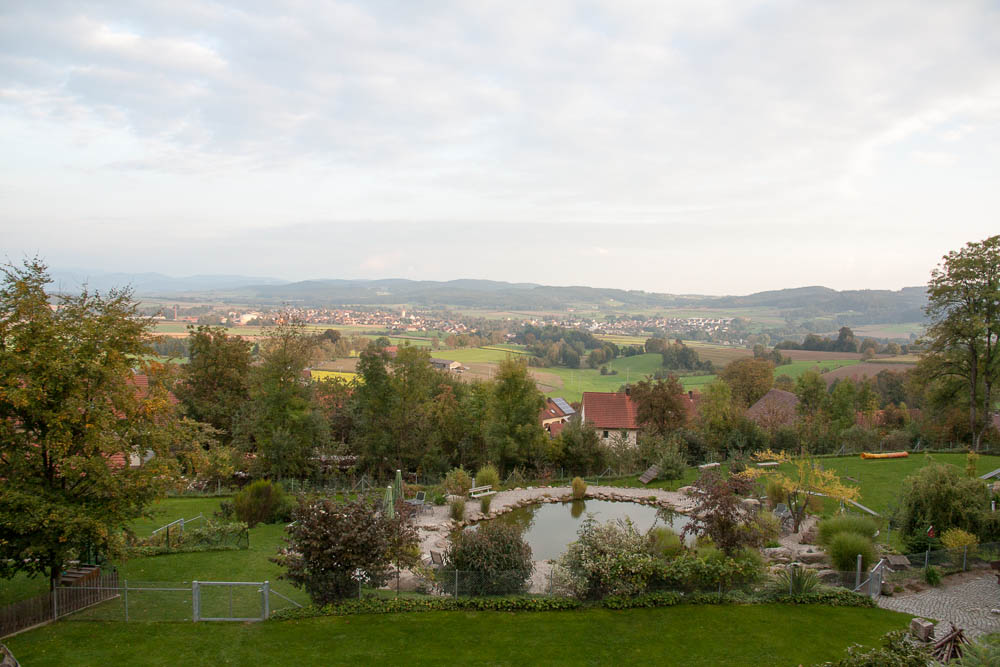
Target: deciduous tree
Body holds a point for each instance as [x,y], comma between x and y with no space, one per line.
[962,340]
[70,421]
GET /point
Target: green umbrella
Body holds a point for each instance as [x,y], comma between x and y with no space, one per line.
[399,485]
[390,506]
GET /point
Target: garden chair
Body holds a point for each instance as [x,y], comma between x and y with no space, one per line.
[784,514]
[418,501]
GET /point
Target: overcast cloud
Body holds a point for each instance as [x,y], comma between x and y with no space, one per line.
[698,147]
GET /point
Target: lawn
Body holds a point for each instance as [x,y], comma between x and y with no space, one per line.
[880,479]
[690,635]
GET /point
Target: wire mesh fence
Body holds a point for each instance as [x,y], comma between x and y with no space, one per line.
[963,558]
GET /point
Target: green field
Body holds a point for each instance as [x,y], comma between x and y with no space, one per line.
[689,635]
[477,355]
[630,369]
[797,368]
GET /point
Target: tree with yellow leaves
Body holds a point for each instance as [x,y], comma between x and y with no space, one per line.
[805,478]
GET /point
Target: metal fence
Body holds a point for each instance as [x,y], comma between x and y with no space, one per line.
[109,598]
[949,560]
[61,601]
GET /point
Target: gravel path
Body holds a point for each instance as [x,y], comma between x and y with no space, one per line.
[967,604]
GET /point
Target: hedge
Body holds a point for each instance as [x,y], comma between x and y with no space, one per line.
[376,605]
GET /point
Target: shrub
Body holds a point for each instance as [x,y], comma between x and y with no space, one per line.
[941,496]
[484,504]
[439,499]
[896,651]
[710,570]
[262,502]
[491,560]
[844,549]
[665,543]
[457,482]
[579,488]
[775,493]
[719,513]
[672,461]
[488,475]
[932,576]
[333,547]
[795,581]
[607,559]
[982,653]
[956,538]
[457,509]
[845,523]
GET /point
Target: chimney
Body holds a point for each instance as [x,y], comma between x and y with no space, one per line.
[628,390]
[691,394]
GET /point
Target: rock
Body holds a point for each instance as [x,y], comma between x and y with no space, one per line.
[751,504]
[922,629]
[829,576]
[812,557]
[886,588]
[775,553]
[808,537]
[898,561]
[686,490]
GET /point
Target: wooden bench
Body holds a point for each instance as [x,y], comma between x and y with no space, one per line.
[707,466]
[480,491]
[767,464]
[651,473]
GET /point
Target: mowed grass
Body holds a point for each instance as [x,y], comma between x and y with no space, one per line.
[880,480]
[689,635]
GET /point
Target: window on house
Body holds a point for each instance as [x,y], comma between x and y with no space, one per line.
[605,434]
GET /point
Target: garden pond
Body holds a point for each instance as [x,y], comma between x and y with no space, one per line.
[548,528]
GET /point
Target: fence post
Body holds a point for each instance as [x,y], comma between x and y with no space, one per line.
[195,602]
[456,582]
[267,600]
[857,574]
[55,602]
[965,557]
[125,599]
[927,558]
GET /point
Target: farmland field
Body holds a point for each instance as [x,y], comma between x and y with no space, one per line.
[326,375]
[867,369]
[575,381]
[797,368]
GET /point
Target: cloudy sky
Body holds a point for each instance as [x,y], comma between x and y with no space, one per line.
[688,147]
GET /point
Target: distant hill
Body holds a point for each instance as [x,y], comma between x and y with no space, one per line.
[852,307]
[150,284]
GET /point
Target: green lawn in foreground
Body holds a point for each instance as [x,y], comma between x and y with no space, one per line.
[689,635]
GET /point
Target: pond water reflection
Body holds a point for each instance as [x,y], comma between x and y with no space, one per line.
[549,527]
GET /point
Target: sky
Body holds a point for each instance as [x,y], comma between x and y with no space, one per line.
[704,146]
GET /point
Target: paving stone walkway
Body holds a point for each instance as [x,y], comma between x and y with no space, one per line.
[966,604]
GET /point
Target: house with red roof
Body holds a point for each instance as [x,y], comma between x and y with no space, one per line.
[556,410]
[611,413]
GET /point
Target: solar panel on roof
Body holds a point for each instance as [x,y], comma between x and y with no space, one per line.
[563,405]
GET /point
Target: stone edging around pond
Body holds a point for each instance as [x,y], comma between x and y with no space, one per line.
[540,495]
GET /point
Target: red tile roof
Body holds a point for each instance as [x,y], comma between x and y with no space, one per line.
[555,428]
[609,410]
[551,411]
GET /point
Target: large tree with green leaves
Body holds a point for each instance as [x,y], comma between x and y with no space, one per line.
[215,383]
[962,340]
[281,424]
[511,431]
[71,419]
